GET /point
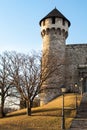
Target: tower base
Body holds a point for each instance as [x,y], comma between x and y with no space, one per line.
[48,94]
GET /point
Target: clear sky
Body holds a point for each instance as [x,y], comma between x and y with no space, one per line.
[19,22]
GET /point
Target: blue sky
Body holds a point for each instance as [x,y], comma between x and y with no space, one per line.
[19,22]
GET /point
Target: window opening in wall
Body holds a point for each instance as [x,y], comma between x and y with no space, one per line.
[43,22]
[63,21]
[53,20]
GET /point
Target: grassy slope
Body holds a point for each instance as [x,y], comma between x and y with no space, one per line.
[47,117]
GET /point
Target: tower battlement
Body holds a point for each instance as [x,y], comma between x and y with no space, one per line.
[55,25]
[56,31]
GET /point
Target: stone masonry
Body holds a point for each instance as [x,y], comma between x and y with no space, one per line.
[76,61]
[61,63]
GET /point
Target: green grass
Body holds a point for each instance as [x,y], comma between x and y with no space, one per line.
[47,117]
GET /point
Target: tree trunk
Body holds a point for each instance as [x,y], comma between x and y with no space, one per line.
[2,114]
[29,108]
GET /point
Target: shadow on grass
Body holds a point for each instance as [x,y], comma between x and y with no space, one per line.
[46,110]
[57,112]
[16,114]
[54,112]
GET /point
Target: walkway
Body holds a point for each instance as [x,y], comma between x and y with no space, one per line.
[80,121]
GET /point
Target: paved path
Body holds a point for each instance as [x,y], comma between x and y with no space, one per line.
[80,121]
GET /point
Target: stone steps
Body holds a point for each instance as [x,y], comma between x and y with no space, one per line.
[80,121]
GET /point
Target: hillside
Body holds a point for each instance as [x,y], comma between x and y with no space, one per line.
[47,117]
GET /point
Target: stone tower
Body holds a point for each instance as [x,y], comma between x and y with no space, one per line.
[54,31]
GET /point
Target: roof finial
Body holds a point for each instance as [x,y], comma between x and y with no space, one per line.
[55,7]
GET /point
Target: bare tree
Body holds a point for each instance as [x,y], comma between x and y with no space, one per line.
[5,82]
[33,76]
[25,70]
[30,79]
[28,73]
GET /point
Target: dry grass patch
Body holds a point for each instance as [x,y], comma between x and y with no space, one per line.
[47,117]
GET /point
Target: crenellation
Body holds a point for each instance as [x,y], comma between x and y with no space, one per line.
[56,31]
[58,24]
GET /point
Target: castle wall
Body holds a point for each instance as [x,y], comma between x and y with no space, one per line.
[76,55]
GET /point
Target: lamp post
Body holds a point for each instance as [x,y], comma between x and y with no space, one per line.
[63,89]
[81,86]
[76,105]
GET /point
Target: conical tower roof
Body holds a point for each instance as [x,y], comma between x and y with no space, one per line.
[55,13]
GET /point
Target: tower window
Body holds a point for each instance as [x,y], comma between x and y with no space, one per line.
[43,22]
[63,21]
[53,20]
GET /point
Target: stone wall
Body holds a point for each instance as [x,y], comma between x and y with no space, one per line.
[76,55]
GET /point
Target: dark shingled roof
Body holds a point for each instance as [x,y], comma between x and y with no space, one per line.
[55,13]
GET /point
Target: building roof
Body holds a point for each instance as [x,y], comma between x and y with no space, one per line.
[55,13]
